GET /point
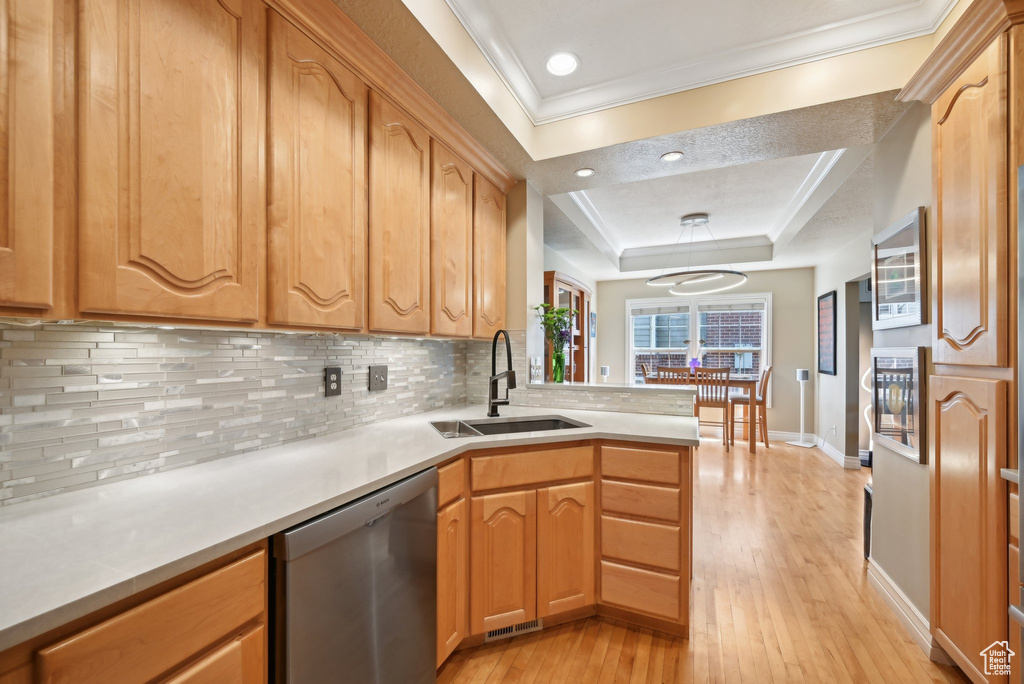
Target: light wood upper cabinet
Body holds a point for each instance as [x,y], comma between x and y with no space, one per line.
[316,186]
[969,156]
[30,88]
[451,243]
[399,220]
[171,206]
[968,517]
[452,580]
[488,259]
[565,548]
[503,585]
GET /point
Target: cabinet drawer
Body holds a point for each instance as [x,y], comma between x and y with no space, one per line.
[640,542]
[654,593]
[451,482]
[638,499]
[531,467]
[640,464]
[152,638]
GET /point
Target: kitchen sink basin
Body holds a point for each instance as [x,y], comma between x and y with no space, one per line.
[504,426]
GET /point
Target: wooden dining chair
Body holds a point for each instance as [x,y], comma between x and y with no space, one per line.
[645,371]
[743,400]
[668,375]
[713,392]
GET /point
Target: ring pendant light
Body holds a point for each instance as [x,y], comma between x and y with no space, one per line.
[698,281]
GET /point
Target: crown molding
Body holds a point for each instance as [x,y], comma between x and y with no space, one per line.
[982,22]
[831,40]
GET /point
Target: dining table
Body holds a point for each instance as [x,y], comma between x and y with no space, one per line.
[738,384]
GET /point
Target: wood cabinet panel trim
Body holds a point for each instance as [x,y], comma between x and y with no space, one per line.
[531,467]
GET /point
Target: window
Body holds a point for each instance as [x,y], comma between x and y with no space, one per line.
[734,332]
[659,335]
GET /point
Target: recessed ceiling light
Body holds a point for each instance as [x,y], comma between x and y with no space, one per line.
[671,156]
[584,173]
[563,63]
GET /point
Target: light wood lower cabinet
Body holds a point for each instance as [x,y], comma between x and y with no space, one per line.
[171,107]
[968,517]
[452,582]
[565,548]
[240,661]
[209,629]
[503,579]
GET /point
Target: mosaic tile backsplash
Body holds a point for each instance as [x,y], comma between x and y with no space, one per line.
[85,405]
[82,406]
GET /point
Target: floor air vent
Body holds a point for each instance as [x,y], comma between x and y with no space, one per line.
[514,630]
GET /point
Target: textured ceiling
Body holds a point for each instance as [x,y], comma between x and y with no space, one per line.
[846,123]
[743,200]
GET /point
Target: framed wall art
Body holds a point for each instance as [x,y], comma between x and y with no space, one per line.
[827,333]
[897,274]
[896,399]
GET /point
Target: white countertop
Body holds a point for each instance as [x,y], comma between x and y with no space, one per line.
[612,387]
[65,556]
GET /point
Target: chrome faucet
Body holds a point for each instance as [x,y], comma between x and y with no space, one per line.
[510,376]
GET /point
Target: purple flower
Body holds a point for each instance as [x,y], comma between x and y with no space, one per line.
[694,363]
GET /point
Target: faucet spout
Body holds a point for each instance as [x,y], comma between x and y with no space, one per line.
[508,374]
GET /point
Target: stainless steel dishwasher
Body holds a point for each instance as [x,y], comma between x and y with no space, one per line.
[355,595]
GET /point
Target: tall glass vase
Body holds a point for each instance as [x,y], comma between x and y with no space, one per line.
[558,366]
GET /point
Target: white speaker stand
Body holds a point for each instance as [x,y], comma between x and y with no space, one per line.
[802,375]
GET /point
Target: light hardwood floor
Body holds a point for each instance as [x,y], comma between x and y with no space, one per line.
[780,593]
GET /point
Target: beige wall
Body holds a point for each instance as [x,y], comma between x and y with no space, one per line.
[900,525]
[792,334]
[524,263]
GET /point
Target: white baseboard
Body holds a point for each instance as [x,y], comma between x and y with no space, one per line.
[908,614]
[848,462]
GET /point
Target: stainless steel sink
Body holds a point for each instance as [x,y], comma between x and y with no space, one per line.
[504,426]
[454,428]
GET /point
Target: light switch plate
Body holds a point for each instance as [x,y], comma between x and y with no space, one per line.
[378,378]
[332,381]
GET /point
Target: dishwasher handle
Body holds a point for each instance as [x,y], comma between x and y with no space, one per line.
[311,535]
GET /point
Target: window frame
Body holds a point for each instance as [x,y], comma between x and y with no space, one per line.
[694,303]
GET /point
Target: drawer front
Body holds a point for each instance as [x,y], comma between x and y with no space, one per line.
[149,639]
[531,467]
[647,501]
[640,464]
[640,542]
[654,593]
[451,482]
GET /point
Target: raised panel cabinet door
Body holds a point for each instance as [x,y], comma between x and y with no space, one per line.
[971,267]
[503,560]
[451,243]
[488,258]
[968,517]
[317,185]
[399,220]
[171,205]
[565,548]
[239,661]
[29,95]
[452,571]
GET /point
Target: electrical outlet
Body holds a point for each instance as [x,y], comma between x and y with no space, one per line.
[332,381]
[378,378]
